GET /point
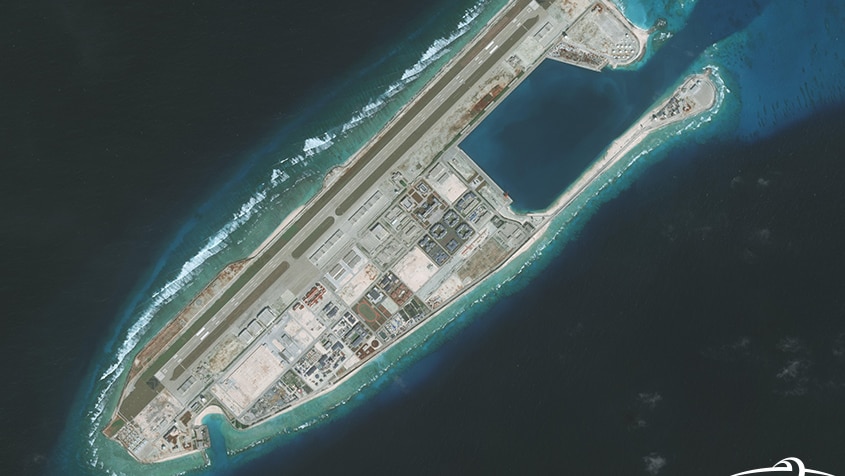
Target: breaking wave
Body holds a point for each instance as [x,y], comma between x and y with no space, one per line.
[441,46]
[365,113]
[278,177]
[318,144]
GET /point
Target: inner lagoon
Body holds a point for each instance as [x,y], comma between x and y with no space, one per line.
[548,130]
[560,118]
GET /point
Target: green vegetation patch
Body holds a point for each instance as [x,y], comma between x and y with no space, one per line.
[114,427]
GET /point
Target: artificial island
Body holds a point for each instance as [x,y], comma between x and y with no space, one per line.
[408,225]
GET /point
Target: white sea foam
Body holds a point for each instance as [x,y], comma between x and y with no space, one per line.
[314,145]
[278,177]
[365,113]
[650,399]
[440,46]
[654,463]
[432,54]
[792,370]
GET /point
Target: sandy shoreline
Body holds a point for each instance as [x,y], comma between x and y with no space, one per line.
[209,410]
[293,215]
[617,149]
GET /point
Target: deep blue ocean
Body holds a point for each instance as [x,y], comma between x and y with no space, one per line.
[689,319]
